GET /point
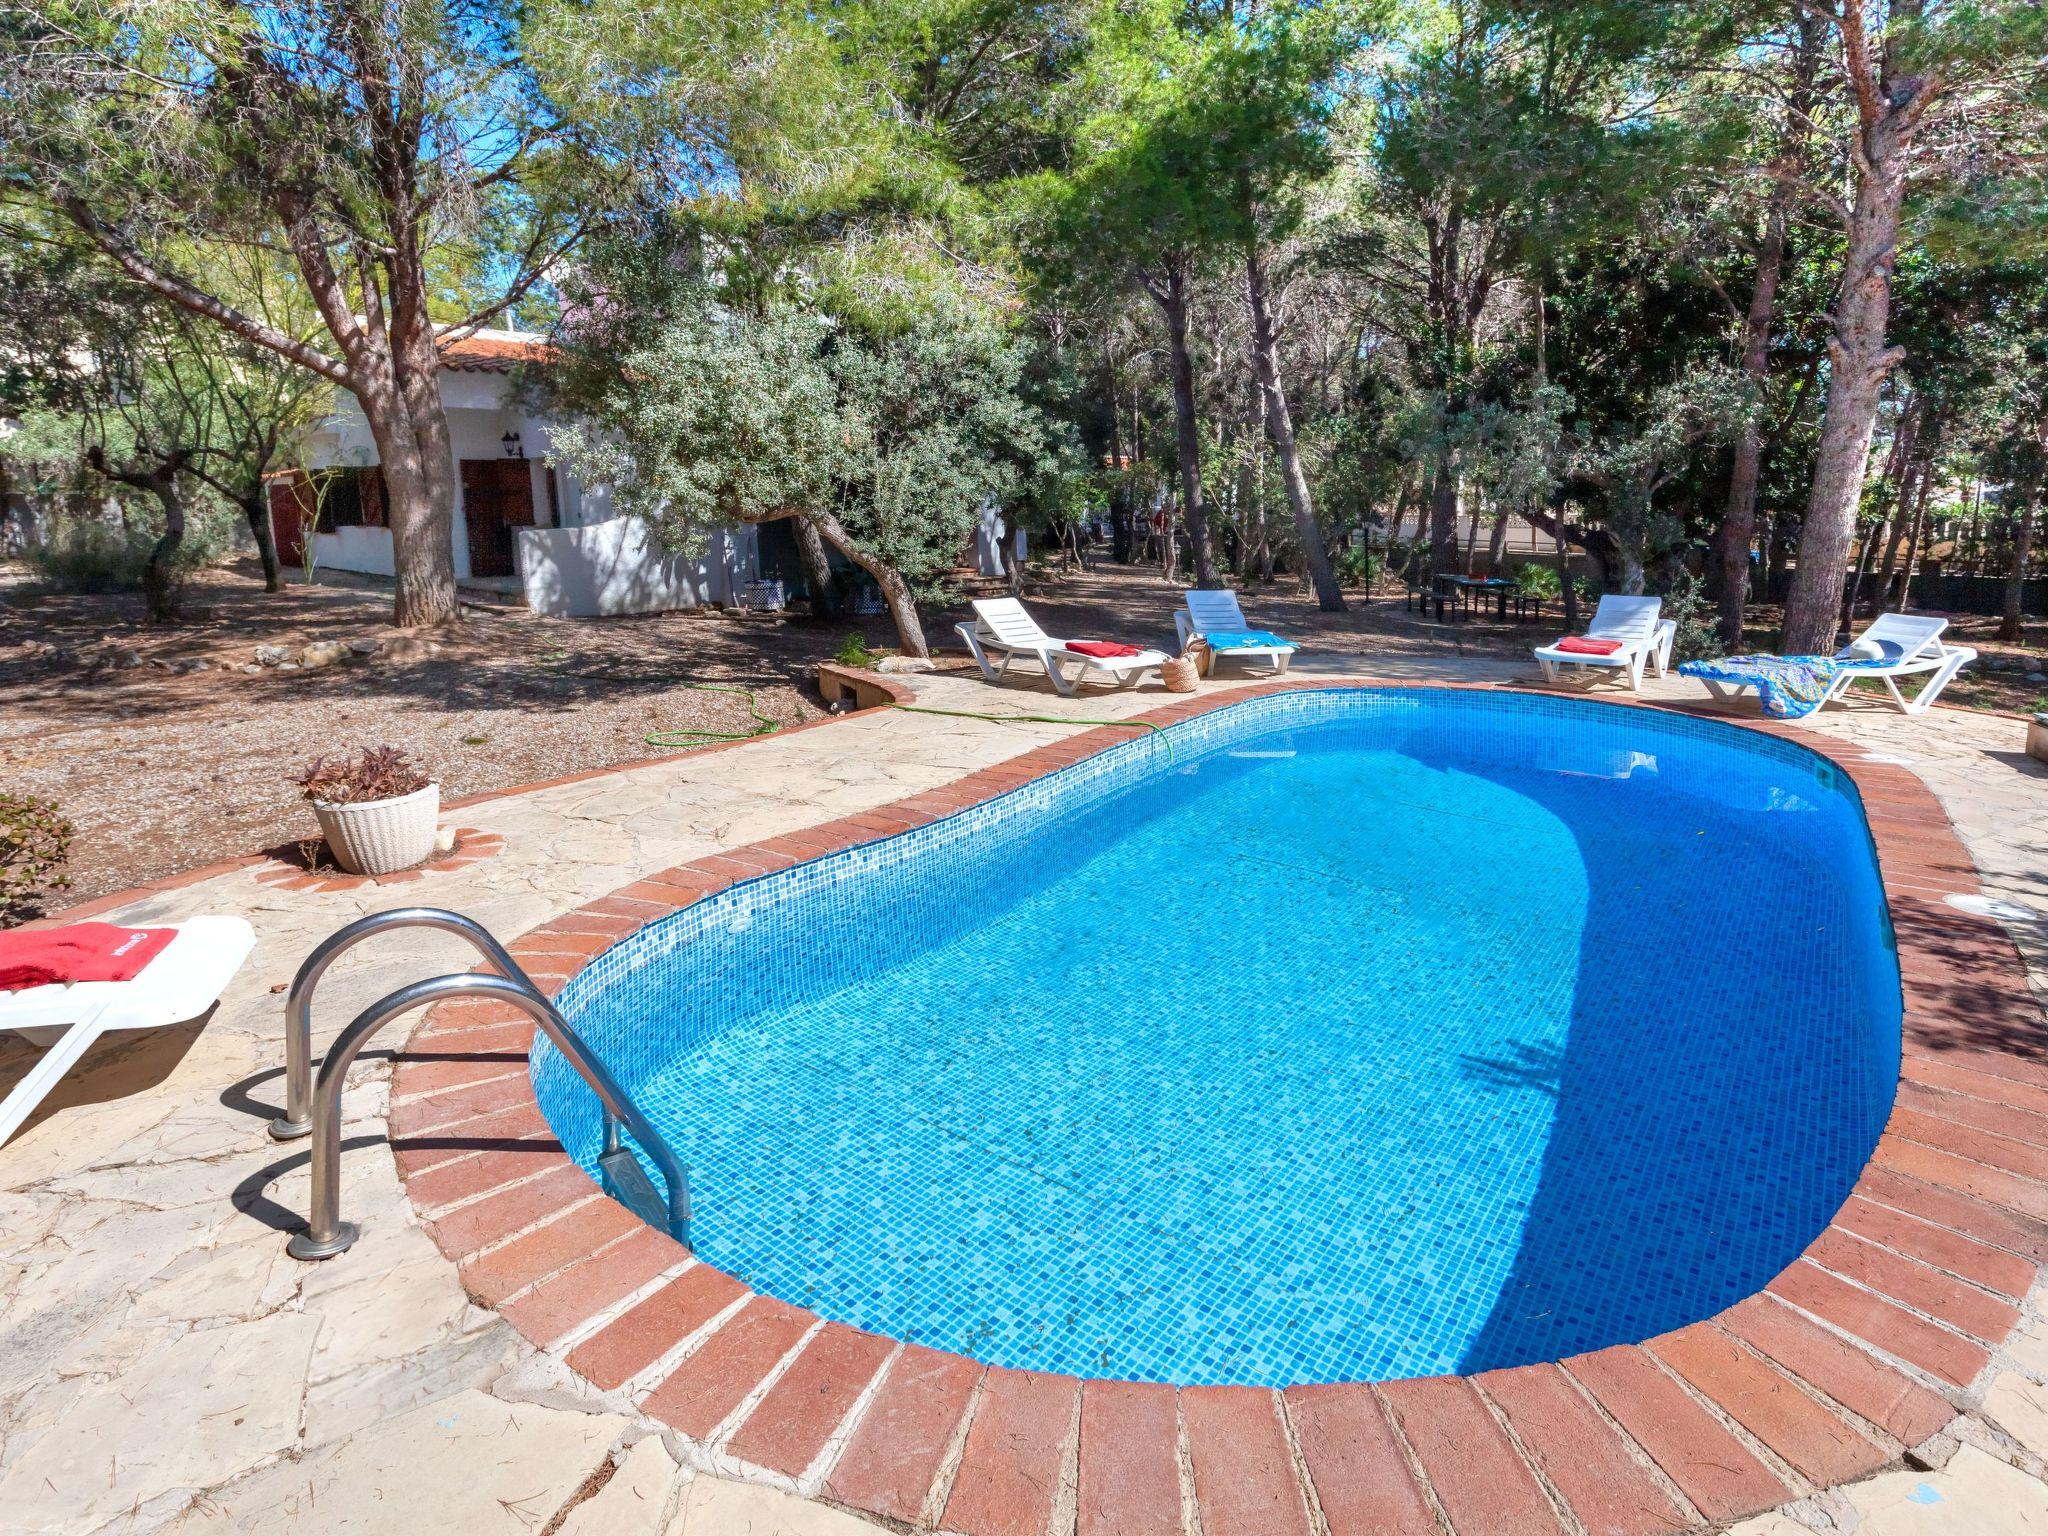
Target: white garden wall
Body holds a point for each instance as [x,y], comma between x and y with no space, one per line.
[617,567]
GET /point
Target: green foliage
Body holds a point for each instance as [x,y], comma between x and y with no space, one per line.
[1539,581]
[853,651]
[35,844]
[1685,604]
[1636,459]
[95,553]
[1356,567]
[703,416]
[91,554]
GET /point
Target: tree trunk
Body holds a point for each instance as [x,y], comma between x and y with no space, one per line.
[902,611]
[1280,427]
[1630,572]
[1912,558]
[1567,593]
[257,510]
[1738,524]
[160,575]
[1898,577]
[810,550]
[1864,564]
[159,570]
[1399,515]
[1859,360]
[1265,566]
[1249,498]
[1901,525]
[1497,542]
[2022,550]
[896,593]
[1905,464]
[1443,519]
[422,524]
[1172,300]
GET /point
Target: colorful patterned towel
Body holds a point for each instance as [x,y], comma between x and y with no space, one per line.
[1790,687]
[1247,640]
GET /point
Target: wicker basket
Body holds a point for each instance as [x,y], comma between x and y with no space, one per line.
[1179,674]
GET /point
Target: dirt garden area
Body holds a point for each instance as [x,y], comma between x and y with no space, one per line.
[172,747]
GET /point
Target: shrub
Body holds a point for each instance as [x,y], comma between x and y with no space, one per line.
[853,652]
[35,844]
[1356,566]
[381,773]
[93,554]
[1539,581]
[89,554]
[1686,604]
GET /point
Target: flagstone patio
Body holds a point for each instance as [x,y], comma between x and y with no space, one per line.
[164,1366]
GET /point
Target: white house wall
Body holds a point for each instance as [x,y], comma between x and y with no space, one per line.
[481,410]
[580,560]
[617,567]
[367,550]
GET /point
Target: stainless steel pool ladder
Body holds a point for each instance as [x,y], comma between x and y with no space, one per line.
[313,1103]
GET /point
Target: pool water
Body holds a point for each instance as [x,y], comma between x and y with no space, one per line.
[1335,1036]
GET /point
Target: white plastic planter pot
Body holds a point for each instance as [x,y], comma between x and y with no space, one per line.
[376,837]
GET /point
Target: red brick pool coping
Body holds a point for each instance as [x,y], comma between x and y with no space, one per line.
[1858,1352]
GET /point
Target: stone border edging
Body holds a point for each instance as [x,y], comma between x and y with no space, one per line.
[100,905]
[1859,1351]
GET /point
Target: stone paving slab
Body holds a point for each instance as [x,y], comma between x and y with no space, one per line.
[136,1211]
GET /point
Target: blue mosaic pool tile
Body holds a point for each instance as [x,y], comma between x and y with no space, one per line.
[1332,1036]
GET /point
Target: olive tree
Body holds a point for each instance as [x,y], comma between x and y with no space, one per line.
[887,440]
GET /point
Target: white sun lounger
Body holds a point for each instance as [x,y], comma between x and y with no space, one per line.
[1895,645]
[181,983]
[1217,613]
[1645,639]
[1004,629]
[1922,653]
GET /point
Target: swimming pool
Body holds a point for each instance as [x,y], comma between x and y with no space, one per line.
[1338,1035]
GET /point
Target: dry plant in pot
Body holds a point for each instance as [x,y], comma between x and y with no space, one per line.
[378,811]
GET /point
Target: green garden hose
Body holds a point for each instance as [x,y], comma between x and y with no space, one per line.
[763,724]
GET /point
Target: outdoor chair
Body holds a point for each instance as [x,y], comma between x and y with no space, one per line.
[1002,628]
[178,984]
[1626,633]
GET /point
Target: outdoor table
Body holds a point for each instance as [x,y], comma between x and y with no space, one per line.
[1473,588]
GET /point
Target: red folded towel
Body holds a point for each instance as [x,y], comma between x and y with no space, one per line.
[82,952]
[1103,648]
[1585,645]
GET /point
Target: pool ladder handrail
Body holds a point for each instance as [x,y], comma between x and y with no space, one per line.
[313,1102]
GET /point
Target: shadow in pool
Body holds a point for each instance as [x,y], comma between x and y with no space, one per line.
[1714,1099]
[1540,1067]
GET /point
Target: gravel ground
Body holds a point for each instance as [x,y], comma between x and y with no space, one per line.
[161,769]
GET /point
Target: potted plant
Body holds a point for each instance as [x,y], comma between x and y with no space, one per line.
[378,812]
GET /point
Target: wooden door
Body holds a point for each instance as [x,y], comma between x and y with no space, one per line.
[497,497]
[291,516]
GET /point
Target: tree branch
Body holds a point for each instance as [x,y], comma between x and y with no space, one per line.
[199,302]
